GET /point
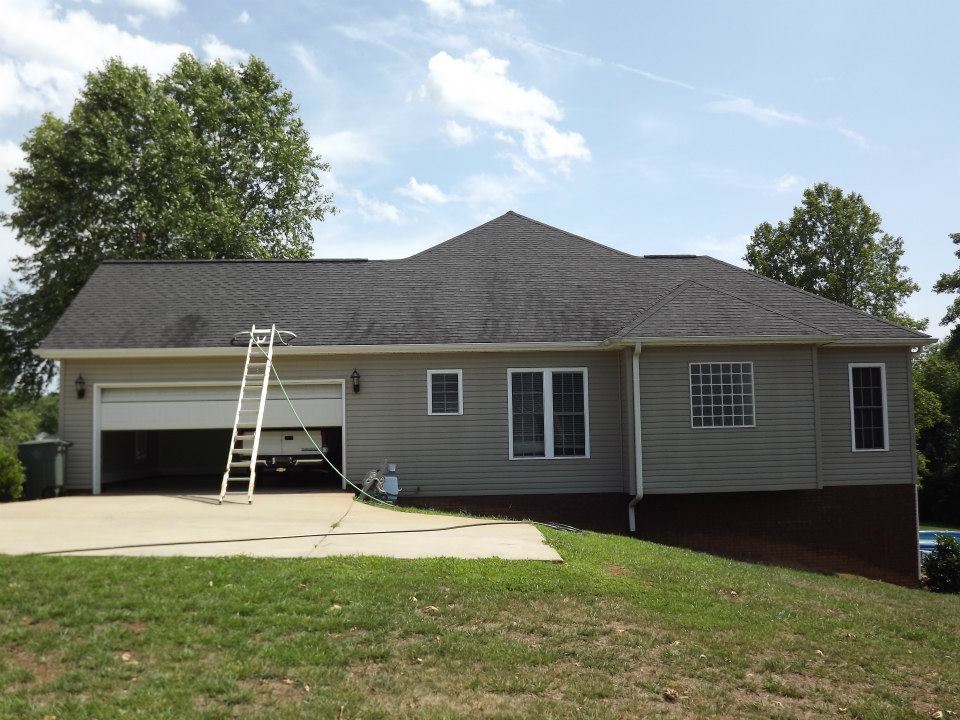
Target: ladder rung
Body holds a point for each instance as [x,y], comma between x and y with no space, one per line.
[243,451]
[244,464]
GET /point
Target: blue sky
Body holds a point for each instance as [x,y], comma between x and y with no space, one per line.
[651,127]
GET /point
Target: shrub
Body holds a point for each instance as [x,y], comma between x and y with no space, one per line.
[11,474]
[942,566]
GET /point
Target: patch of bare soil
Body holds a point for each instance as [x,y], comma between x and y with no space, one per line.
[270,691]
[44,670]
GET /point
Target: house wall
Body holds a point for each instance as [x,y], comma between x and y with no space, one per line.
[842,466]
[779,453]
[437,455]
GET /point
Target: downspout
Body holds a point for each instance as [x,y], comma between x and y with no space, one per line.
[637,441]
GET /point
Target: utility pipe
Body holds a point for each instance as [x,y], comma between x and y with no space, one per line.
[637,441]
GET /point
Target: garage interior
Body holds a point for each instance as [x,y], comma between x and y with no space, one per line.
[175,438]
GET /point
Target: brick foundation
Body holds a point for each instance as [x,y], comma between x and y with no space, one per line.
[867,530]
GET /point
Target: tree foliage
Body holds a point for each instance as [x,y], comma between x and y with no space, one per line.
[834,245]
[936,379]
[209,161]
[950,283]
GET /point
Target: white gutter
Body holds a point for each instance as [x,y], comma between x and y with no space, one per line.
[637,442]
[610,343]
[237,351]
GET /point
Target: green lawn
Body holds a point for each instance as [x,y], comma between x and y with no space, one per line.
[937,526]
[604,635]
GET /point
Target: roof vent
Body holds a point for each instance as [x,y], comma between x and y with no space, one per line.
[669,257]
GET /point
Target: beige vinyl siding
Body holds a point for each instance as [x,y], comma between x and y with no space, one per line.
[842,466]
[438,455]
[779,453]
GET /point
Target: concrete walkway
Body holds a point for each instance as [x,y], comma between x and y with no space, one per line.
[110,524]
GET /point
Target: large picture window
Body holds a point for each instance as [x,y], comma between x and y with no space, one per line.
[721,394]
[868,406]
[548,413]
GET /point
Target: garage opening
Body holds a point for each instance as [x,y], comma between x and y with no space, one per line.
[175,438]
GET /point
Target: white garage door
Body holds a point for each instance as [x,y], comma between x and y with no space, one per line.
[214,407]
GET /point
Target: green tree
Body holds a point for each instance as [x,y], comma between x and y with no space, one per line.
[936,379]
[950,283]
[834,245]
[209,161]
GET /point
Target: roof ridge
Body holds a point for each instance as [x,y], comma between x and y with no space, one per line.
[917,333]
[658,302]
[513,213]
[201,261]
[567,232]
[763,307]
[640,318]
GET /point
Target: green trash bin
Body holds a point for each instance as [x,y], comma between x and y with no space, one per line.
[44,463]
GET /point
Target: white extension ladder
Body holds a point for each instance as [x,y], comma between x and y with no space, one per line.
[245,440]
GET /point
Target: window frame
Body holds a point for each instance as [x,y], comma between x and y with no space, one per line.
[883,396]
[753,394]
[449,371]
[548,439]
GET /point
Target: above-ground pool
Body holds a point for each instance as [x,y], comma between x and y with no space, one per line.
[928,539]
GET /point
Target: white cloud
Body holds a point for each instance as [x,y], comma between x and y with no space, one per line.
[459,134]
[858,139]
[505,138]
[786,183]
[160,8]
[423,193]
[453,10]
[306,59]
[373,210]
[136,20]
[345,147]
[445,9]
[243,18]
[45,51]
[750,109]
[477,86]
[215,49]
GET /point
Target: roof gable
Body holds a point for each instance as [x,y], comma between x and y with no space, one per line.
[692,309]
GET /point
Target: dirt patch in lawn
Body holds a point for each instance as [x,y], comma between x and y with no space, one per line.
[43,670]
[272,691]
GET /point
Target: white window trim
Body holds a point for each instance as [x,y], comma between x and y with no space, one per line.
[548,413]
[883,394]
[753,394]
[430,374]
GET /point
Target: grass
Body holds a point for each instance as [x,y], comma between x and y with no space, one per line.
[937,526]
[622,629]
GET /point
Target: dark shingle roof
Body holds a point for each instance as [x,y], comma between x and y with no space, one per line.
[510,280]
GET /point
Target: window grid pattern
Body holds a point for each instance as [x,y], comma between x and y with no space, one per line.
[445,393]
[721,394]
[569,425]
[527,397]
[869,431]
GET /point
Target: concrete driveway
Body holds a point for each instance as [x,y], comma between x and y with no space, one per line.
[194,525]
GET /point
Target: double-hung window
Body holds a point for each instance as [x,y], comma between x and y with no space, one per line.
[548,413]
[721,394]
[868,406]
[445,392]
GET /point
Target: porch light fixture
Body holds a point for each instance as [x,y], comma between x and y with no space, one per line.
[355,376]
[81,385]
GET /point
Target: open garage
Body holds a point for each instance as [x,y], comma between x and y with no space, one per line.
[175,435]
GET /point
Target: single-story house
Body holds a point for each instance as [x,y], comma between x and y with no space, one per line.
[522,370]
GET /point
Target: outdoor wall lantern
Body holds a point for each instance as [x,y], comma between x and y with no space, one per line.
[355,376]
[81,385]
